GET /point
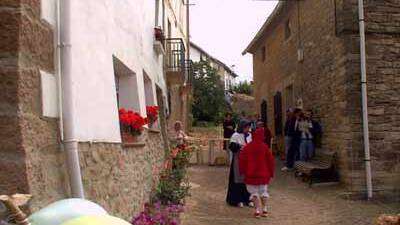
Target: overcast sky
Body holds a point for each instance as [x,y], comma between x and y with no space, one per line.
[224,28]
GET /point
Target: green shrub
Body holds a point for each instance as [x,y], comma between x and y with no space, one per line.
[174,185]
[208,94]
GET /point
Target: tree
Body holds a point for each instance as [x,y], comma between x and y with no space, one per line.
[244,88]
[208,93]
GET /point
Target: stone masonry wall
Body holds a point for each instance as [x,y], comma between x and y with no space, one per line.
[30,143]
[31,159]
[121,178]
[319,80]
[118,177]
[328,81]
[12,157]
[383,68]
[243,103]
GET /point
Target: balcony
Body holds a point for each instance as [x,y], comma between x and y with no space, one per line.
[189,72]
[175,60]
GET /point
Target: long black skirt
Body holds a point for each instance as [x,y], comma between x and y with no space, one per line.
[237,192]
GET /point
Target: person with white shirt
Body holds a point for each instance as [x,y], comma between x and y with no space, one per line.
[237,194]
[305,126]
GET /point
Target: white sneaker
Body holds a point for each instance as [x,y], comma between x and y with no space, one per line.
[241,205]
[285,169]
[251,204]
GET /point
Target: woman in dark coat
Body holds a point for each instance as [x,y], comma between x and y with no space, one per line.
[237,193]
[229,128]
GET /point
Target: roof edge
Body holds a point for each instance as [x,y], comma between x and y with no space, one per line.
[260,33]
[233,74]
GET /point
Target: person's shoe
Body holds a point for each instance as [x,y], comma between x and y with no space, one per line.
[264,214]
[284,169]
[251,204]
[257,215]
[241,205]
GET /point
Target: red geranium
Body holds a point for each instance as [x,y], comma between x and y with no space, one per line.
[152,113]
[131,121]
[159,34]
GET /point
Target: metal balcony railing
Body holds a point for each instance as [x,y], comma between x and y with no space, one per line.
[175,55]
[189,72]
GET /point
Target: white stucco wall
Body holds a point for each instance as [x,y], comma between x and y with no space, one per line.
[101,29]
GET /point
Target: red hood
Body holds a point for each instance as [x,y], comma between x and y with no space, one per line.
[258,135]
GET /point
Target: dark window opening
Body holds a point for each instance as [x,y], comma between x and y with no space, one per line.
[289,97]
[288,32]
[263,53]
[278,113]
[264,111]
[117,88]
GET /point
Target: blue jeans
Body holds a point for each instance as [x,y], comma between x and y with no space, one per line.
[306,149]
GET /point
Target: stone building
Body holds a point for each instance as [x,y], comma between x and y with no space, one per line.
[175,26]
[65,70]
[308,54]
[227,75]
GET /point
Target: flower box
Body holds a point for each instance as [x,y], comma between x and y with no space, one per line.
[159,34]
[128,137]
[131,125]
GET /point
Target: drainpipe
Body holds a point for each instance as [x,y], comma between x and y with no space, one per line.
[58,70]
[364,96]
[70,142]
[188,28]
[187,80]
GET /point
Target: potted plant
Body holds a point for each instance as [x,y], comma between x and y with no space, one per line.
[131,124]
[152,114]
[158,34]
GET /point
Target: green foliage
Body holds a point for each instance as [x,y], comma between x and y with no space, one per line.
[174,185]
[197,123]
[208,95]
[181,161]
[243,87]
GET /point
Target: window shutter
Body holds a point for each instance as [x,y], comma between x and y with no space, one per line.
[264,111]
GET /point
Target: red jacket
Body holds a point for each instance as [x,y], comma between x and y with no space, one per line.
[256,161]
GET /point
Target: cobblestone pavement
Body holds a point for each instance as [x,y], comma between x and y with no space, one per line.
[292,202]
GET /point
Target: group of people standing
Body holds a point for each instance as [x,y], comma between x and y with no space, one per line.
[252,164]
[302,135]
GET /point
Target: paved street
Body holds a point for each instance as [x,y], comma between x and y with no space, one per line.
[292,202]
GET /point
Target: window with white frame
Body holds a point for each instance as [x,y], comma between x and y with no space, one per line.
[148,89]
[126,86]
[159,13]
[149,92]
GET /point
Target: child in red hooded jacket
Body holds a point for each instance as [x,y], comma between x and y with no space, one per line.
[257,164]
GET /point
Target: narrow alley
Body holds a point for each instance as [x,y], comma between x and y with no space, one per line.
[292,202]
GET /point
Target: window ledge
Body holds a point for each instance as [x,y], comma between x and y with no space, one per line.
[134,145]
[154,130]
